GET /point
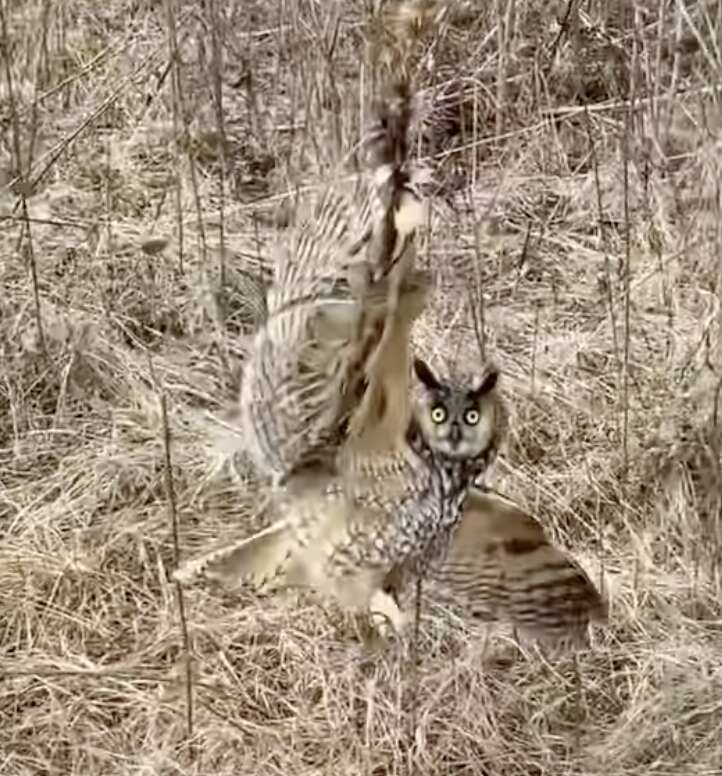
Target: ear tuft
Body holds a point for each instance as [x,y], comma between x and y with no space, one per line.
[488,384]
[425,375]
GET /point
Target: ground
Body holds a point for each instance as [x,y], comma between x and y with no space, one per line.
[576,236]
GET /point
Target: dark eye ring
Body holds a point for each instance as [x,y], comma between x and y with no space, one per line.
[471,417]
[438,414]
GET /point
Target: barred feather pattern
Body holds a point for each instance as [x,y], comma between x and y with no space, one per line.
[304,387]
[293,382]
[501,566]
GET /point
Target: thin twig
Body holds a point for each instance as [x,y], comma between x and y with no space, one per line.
[178,178]
[179,109]
[23,186]
[415,657]
[173,514]
[217,59]
[220,307]
[563,29]
[603,243]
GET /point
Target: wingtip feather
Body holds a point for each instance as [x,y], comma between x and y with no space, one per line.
[257,560]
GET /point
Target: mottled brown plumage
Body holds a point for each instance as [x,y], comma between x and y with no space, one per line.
[326,388]
[415,511]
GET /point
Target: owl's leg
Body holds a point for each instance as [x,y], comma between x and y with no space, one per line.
[365,632]
[371,613]
[385,614]
[375,626]
[383,411]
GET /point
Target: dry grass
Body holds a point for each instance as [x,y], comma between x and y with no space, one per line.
[581,197]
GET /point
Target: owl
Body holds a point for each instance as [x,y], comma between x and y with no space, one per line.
[419,511]
[326,390]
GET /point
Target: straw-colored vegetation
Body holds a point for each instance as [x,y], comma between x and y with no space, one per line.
[149,155]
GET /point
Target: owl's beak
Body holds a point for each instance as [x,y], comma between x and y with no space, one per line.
[455,434]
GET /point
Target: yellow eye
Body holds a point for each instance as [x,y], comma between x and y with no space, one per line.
[471,417]
[438,414]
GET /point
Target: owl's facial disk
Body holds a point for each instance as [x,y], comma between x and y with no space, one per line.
[454,430]
[458,423]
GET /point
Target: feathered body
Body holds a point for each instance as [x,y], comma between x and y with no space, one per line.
[501,566]
[384,510]
[417,488]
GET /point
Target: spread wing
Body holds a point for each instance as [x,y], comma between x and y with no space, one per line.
[331,360]
[502,566]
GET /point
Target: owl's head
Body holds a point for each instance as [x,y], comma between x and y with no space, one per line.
[457,421]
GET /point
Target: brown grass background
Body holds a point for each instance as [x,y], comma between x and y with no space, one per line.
[149,151]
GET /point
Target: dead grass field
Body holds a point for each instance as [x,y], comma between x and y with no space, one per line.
[580,200]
